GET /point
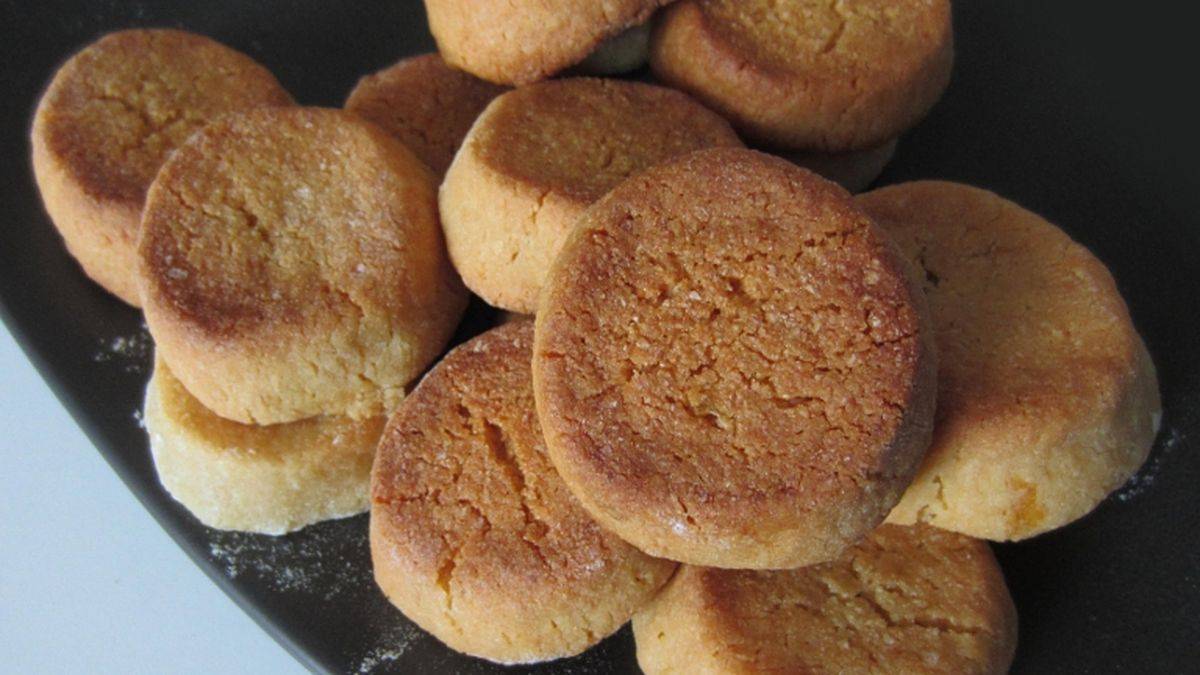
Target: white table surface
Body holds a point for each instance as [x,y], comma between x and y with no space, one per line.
[88,581]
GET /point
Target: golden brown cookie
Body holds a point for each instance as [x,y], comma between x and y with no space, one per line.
[425,103]
[732,366]
[538,156]
[110,117]
[905,600]
[291,265]
[854,170]
[1047,398]
[523,41]
[272,479]
[808,74]
[473,534]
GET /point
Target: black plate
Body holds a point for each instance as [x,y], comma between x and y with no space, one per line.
[1067,107]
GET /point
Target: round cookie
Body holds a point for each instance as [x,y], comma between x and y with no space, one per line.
[272,479]
[109,118]
[523,41]
[803,74]
[853,170]
[428,105]
[732,366]
[291,265]
[538,156]
[905,600]
[473,534]
[1047,398]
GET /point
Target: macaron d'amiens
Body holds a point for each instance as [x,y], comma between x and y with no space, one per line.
[538,156]
[475,537]
[732,365]
[109,118]
[291,265]
[1047,398]
[518,42]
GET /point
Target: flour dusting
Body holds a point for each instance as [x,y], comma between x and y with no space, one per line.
[394,642]
[130,352]
[1144,479]
[313,561]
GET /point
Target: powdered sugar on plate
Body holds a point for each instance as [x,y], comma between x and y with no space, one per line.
[325,563]
[1144,479]
[394,642]
[130,352]
[315,561]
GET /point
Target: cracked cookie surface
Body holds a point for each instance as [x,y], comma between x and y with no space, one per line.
[268,479]
[905,600]
[425,103]
[473,534]
[292,265]
[109,119]
[809,74]
[1047,397]
[522,41]
[732,365]
[538,156]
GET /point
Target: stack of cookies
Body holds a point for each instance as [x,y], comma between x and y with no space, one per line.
[289,262]
[768,421]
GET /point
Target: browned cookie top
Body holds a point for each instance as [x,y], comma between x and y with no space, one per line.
[906,599]
[1024,315]
[538,156]
[810,74]
[523,41]
[475,536]
[287,215]
[580,137]
[116,109]
[1047,398]
[732,366]
[425,103]
[291,265]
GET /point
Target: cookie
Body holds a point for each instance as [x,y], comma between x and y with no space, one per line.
[538,156]
[291,265]
[809,75]
[523,41]
[428,105]
[473,534]
[854,170]
[732,366]
[109,118]
[905,600]
[1047,398]
[271,479]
